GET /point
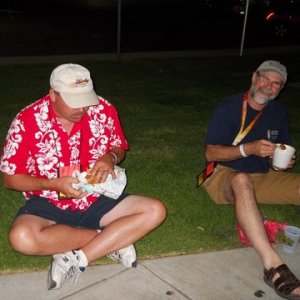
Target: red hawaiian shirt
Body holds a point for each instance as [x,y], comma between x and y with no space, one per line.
[37,145]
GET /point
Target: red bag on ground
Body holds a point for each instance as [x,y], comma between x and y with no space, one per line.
[271,227]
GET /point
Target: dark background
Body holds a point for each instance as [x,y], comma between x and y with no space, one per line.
[50,27]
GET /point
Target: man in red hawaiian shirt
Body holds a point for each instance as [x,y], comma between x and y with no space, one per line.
[72,129]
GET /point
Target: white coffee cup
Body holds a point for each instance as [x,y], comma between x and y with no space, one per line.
[282,156]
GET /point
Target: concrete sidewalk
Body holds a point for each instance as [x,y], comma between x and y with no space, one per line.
[227,275]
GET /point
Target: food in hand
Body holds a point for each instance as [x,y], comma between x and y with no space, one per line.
[89,178]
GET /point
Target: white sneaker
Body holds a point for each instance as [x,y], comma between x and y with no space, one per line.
[126,255]
[63,267]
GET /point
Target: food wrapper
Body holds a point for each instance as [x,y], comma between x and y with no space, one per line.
[112,188]
[271,227]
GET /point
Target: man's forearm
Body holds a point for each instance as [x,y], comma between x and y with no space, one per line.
[25,183]
[222,153]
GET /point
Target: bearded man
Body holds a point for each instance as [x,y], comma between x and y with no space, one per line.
[240,142]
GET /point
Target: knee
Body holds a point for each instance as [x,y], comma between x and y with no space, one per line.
[242,187]
[240,181]
[157,212]
[21,239]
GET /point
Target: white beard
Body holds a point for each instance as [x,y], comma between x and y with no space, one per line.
[261,100]
[261,96]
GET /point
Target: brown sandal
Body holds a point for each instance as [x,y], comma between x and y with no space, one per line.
[284,284]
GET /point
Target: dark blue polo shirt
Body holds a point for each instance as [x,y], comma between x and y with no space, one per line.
[225,124]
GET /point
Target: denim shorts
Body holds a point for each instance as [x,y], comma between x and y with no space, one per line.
[90,218]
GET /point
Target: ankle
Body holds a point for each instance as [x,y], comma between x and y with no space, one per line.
[272,263]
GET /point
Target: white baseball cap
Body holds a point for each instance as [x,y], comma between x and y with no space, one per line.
[74,84]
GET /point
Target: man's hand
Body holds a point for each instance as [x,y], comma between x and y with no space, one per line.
[103,166]
[261,148]
[292,162]
[64,185]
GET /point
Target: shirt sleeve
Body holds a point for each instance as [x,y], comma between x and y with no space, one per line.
[223,127]
[117,137]
[15,154]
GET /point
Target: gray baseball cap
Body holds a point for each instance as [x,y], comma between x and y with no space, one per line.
[273,66]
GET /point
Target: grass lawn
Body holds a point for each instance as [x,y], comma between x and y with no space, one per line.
[164,106]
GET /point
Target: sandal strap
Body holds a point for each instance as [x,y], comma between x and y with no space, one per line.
[287,289]
[286,282]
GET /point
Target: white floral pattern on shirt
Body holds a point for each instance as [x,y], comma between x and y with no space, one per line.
[34,145]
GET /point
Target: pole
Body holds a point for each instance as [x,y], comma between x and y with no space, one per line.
[244,28]
[119,30]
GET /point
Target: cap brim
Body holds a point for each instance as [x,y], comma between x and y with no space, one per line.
[81,99]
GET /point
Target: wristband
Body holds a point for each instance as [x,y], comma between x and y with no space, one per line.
[114,155]
[242,151]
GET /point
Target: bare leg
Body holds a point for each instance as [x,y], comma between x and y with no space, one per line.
[33,235]
[129,221]
[238,187]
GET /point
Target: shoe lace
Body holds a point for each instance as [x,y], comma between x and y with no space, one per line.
[71,268]
[126,255]
[71,272]
[115,256]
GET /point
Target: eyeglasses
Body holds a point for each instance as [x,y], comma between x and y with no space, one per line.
[266,80]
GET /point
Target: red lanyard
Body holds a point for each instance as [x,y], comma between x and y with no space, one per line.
[244,131]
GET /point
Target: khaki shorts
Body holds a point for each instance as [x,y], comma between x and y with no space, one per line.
[274,187]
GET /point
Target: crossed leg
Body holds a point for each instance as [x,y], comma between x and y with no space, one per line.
[130,220]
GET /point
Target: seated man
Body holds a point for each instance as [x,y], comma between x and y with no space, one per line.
[241,138]
[71,129]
